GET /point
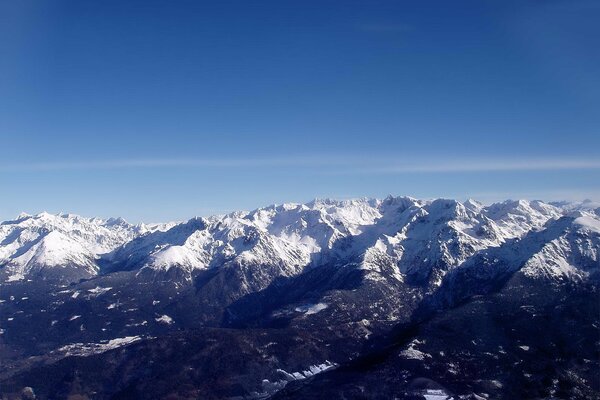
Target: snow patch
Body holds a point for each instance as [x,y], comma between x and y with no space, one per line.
[164,319]
[99,290]
[271,387]
[412,353]
[588,222]
[15,277]
[87,349]
[436,394]
[310,309]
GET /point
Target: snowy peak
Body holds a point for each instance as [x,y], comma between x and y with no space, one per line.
[54,250]
[473,205]
[586,221]
[416,236]
[521,216]
[35,243]
[570,250]
[414,240]
[94,231]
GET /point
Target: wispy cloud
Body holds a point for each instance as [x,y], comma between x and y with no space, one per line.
[162,163]
[490,165]
[338,164]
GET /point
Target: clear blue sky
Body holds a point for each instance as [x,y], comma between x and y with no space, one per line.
[159,110]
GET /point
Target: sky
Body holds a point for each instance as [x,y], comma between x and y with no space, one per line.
[163,110]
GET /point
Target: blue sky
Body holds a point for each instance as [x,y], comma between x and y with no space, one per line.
[160,110]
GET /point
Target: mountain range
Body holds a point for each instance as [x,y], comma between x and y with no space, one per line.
[366,298]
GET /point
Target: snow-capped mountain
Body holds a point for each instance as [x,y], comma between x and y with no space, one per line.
[294,287]
[419,238]
[415,240]
[571,253]
[62,246]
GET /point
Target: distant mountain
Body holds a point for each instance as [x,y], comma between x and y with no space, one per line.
[303,300]
[63,247]
[416,235]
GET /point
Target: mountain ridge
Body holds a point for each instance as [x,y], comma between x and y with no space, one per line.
[295,234]
[315,288]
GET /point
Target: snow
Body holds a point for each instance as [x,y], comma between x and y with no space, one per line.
[99,290]
[173,256]
[585,205]
[118,342]
[34,242]
[588,222]
[317,369]
[271,387]
[568,251]
[412,353]
[164,319]
[87,349]
[436,394]
[389,238]
[15,277]
[310,309]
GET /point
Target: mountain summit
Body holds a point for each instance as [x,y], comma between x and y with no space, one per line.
[416,235]
[414,298]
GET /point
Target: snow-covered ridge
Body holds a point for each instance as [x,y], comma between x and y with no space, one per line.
[30,244]
[287,377]
[88,349]
[409,237]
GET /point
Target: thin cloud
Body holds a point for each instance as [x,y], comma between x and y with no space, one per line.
[349,164]
[163,163]
[486,166]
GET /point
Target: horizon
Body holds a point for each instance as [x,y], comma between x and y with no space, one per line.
[556,203]
[202,108]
